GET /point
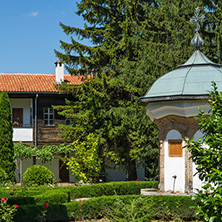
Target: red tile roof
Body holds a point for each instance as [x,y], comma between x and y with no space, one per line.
[20,82]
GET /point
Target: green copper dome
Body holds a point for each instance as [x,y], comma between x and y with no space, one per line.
[191,80]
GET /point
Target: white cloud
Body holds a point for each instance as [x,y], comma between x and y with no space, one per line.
[33,14]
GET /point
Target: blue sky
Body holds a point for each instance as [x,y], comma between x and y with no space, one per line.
[30,32]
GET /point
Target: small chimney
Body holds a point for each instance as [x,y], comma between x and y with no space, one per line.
[59,72]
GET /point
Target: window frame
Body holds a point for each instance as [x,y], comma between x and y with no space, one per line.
[48,111]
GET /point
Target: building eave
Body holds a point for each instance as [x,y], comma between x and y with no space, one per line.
[143,101]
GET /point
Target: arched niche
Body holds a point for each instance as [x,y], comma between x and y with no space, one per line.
[174,159]
[197,135]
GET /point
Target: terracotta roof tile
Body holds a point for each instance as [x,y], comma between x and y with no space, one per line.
[22,82]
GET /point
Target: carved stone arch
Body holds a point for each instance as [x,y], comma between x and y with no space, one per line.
[186,126]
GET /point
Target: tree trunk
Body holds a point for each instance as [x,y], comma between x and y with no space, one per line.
[131,173]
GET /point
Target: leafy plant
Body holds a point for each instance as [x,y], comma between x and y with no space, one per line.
[38,175]
[85,164]
[207,155]
[3,176]
[45,153]
[7,212]
[134,211]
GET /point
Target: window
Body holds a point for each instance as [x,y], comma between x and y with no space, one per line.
[48,116]
[175,148]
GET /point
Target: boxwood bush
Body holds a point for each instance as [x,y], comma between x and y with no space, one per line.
[38,175]
[50,198]
[111,188]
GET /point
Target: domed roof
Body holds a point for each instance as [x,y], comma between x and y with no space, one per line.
[192,80]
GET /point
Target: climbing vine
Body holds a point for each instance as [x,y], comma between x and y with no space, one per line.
[46,153]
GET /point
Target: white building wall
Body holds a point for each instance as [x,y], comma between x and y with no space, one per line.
[174,166]
[23,134]
[53,165]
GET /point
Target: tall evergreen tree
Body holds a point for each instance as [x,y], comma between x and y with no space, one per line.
[133,43]
[7,161]
[109,26]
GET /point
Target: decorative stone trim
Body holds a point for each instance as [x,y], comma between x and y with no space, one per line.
[187,127]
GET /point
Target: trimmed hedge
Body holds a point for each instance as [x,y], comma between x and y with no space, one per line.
[96,190]
[50,198]
[159,207]
[111,188]
[21,200]
[34,212]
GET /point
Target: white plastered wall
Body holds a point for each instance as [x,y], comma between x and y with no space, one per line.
[53,165]
[174,166]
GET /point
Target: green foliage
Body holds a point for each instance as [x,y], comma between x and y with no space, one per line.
[159,207]
[106,104]
[136,208]
[45,153]
[3,176]
[7,212]
[85,164]
[20,200]
[28,213]
[206,154]
[73,192]
[111,188]
[52,198]
[7,162]
[134,43]
[38,175]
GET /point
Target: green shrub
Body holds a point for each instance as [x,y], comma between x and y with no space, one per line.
[111,188]
[21,200]
[118,208]
[141,208]
[28,213]
[3,176]
[52,198]
[38,175]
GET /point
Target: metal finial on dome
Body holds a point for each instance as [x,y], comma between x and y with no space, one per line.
[197,41]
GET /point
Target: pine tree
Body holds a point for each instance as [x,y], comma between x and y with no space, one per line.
[133,43]
[6,132]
